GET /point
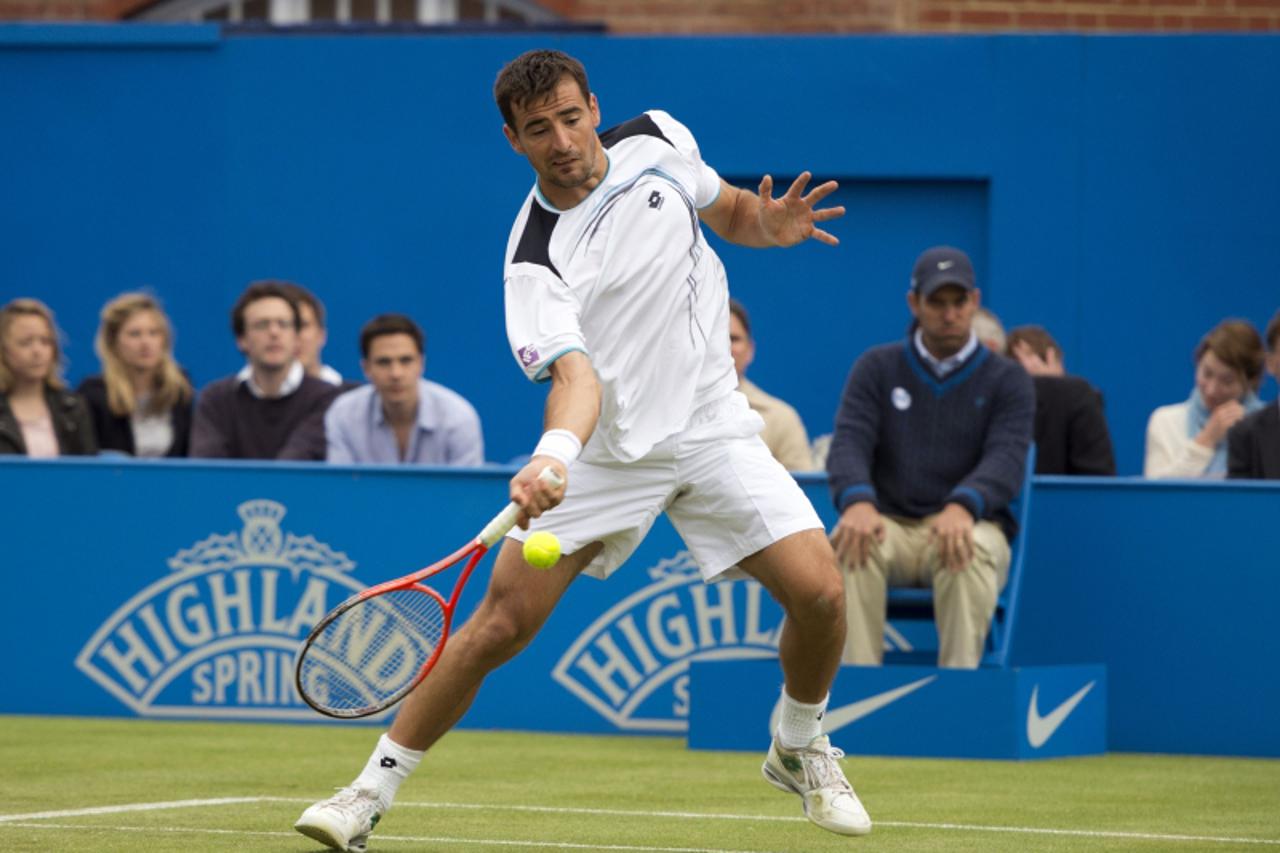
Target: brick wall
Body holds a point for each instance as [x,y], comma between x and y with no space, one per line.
[65,10]
[834,16]
[951,16]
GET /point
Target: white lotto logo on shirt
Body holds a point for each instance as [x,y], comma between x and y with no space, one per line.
[901,398]
[216,637]
[632,664]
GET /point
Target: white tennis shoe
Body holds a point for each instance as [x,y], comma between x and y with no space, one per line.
[343,821]
[814,773]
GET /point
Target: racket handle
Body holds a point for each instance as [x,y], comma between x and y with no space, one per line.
[505,520]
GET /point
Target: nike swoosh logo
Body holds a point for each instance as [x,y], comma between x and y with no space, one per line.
[1040,729]
[837,718]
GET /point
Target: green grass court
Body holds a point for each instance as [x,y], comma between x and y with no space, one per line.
[71,784]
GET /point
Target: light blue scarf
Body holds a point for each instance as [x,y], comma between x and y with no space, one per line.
[1198,415]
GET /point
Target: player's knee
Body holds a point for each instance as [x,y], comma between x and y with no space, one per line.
[497,634]
[821,602]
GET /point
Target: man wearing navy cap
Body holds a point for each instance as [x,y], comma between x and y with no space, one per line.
[929,448]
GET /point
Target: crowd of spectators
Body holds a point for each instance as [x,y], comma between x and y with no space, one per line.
[285,402]
[931,438]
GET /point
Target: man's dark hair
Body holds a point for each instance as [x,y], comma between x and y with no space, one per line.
[736,309]
[1273,333]
[263,290]
[534,75]
[391,324]
[1036,337]
[302,296]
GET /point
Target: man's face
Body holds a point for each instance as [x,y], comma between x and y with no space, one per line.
[270,339]
[945,317]
[741,347]
[393,367]
[311,338]
[557,134]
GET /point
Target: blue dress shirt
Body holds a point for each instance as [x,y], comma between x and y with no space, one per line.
[447,431]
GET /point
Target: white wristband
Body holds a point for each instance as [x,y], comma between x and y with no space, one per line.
[560,444]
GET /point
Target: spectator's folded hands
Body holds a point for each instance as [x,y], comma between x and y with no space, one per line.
[952,533]
[859,529]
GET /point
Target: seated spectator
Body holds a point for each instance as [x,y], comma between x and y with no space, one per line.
[1253,444]
[400,416]
[273,409]
[141,403]
[783,432]
[39,417]
[312,334]
[929,448]
[1071,431]
[1190,439]
[989,329]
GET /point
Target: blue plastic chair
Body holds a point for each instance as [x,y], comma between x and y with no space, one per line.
[917,603]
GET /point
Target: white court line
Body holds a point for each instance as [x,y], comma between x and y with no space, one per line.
[954,827]
[960,827]
[131,807]
[409,839]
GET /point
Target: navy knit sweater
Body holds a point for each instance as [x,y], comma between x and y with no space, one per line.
[911,442]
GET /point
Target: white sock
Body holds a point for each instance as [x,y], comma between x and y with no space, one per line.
[800,723]
[388,766]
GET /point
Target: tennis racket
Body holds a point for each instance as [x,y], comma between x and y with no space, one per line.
[367,653]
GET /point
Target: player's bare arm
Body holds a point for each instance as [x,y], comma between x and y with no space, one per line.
[573,405]
[759,220]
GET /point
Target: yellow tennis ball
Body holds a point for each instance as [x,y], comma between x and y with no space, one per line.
[542,549]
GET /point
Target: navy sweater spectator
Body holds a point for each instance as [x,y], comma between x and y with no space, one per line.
[911,442]
[929,448]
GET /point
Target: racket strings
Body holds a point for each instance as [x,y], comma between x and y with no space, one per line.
[372,652]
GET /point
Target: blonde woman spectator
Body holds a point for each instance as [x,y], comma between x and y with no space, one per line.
[39,417]
[141,403]
[1189,439]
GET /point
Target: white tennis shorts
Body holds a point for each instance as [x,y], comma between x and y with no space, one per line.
[724,492]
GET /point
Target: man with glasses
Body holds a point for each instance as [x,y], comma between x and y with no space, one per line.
[273,409]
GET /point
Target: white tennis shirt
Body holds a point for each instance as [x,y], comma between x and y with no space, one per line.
[627,277]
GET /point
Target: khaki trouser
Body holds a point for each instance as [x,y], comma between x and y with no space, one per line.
[963,602]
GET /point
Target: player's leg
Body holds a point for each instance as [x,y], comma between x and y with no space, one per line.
[738,506]
[800,573]
[965,601]
[605,514]
[515,606]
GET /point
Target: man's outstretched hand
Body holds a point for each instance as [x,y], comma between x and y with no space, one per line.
[790,218]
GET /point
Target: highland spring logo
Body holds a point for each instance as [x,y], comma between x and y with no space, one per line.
[631,664]
[217,636]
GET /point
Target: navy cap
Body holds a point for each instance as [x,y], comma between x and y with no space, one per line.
[939,266]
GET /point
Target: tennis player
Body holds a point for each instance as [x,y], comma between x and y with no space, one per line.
[614,296]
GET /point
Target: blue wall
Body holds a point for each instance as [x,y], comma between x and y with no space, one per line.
[190,598]
[1122,191]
